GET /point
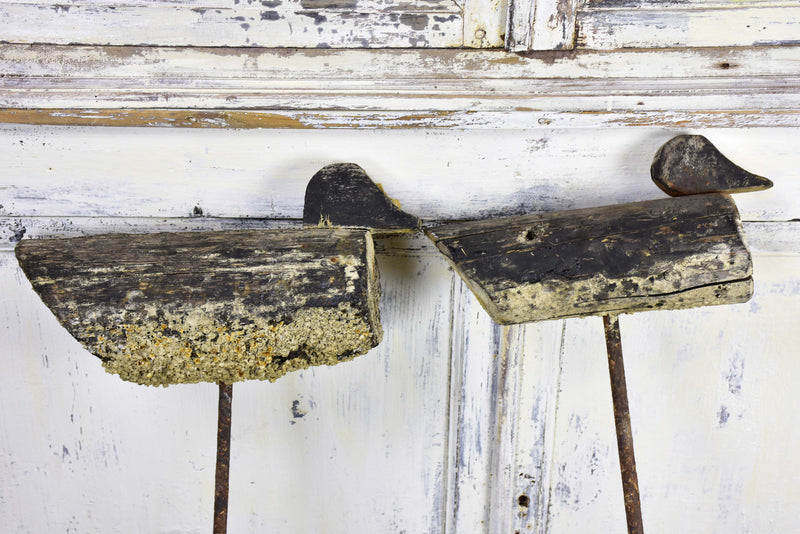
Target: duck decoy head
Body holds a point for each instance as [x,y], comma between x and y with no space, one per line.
[691,165]
[342,194]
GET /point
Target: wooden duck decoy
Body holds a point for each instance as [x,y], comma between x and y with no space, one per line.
[224,306]
[668,253]
[169,308]
[672,253]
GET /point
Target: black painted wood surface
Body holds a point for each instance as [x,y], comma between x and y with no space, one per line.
[691,165]
[660,254]
[212,306]
[342,194]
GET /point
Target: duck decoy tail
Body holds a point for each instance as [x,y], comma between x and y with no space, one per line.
[342,194]
[691,165]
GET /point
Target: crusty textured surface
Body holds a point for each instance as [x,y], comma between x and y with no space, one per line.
[161,309]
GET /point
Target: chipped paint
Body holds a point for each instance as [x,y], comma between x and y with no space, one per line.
[310,23]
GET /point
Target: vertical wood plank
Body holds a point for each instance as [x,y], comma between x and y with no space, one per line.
[541,25]
[484,23]
[76,443]
[585,491]
[536,413]
[361,448]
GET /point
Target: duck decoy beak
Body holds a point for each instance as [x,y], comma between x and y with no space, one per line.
[691,165]
[342,194]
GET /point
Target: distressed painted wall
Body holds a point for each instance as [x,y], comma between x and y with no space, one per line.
[451,419]
[452,424]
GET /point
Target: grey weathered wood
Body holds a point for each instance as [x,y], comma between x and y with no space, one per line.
[267,23]
[691,164]
[342,194]
[660,254]
[541,25]
[212,306]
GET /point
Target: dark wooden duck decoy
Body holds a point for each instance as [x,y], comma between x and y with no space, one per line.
[222,307]
[225,306]
[669,253]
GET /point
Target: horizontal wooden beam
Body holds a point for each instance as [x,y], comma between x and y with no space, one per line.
[258,88]
[252,67]
[389,120]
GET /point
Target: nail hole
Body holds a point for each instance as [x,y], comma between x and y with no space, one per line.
[725,65]
[523,500]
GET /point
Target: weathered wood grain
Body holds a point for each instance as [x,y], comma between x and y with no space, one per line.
[262,67]
[160,309]
[342,194]
[681,5]
[688,26]
[541,25]
[269,23]
[632,257]
[274,23]
[385,89]
[522,117]
[691,164]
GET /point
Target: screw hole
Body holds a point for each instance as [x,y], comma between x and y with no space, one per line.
[524,500]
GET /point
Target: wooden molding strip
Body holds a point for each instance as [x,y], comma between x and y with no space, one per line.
[293,66]
[386,120]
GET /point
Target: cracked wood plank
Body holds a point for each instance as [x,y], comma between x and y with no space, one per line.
[658,254]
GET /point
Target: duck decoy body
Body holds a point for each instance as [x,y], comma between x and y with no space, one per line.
[668,253]
[225,306]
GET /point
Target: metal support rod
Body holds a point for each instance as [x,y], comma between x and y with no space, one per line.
[622,421]
[223,459]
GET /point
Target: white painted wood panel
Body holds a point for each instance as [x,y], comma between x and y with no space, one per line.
[452,419]
[82,451]
[711,438]
[267,23]
[665,28]
[541,25]
[69,172]
[355,447]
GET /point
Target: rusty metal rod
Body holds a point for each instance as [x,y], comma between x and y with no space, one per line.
[622,421]
[223,459]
